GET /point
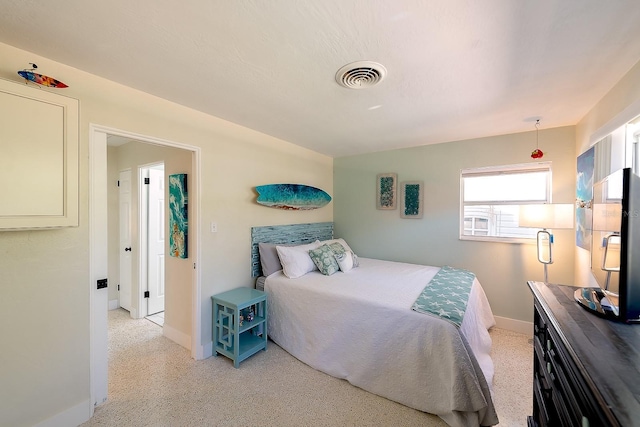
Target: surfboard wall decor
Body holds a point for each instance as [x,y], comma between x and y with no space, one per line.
[292,196]
[41,79]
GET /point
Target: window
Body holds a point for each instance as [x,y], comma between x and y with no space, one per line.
[491,199]
[475,225]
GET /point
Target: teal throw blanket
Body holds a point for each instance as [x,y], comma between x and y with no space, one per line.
[446,295]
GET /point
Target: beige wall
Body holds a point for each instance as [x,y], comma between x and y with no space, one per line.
[113,223]
[502,268]
[44,308]
[619,106]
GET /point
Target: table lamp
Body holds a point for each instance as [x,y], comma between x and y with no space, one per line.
[546,216]
[607,222]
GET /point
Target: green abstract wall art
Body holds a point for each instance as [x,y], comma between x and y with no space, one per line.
[178,218]
[411,199]
[386,188]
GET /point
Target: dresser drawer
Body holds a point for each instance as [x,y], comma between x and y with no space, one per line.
[563,391]
[545,416]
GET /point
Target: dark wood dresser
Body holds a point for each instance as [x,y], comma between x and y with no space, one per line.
[586,369]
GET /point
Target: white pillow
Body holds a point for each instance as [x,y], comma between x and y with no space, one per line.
[345,261]
[295,260]
[341,241]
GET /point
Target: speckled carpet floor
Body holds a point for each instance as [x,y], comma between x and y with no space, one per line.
[154,382]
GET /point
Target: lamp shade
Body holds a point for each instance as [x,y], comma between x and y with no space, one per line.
[547,215]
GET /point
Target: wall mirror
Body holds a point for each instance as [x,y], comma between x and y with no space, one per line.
[614,152]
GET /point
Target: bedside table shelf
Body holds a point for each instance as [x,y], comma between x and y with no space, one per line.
[250,325]
[235,341]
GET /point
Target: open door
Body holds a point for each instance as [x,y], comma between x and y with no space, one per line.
[155,238]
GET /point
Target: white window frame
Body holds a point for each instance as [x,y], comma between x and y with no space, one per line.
[633,149]
[502,170]
[474,229]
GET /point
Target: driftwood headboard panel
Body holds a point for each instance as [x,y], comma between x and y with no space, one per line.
[286,234]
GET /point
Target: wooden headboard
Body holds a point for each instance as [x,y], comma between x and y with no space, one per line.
[286,234]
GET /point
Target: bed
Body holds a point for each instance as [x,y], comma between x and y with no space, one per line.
[358,325]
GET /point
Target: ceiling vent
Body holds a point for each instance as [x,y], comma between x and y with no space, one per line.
[361,75]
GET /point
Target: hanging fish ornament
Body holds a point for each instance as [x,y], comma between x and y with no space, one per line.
[30,76]
[537,153]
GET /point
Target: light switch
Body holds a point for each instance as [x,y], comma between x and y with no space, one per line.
[214,227]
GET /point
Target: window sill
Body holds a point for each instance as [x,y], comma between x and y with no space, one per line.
[514,240]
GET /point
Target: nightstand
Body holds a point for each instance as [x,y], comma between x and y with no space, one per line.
[232,339]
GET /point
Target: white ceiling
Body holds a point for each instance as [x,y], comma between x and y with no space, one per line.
[456,69]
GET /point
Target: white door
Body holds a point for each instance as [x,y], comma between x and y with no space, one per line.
[125,239]
[155,236]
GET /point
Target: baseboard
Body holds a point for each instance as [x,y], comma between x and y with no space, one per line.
[114,304]
[73,416]
[176,336]
[515,325]
[206,351]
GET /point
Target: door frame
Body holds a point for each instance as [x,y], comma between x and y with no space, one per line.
[98,307]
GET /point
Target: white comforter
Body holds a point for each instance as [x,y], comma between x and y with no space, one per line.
[359,326]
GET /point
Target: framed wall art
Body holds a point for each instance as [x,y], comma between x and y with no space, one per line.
[584,195]
[411,199]
[386,189]
[178,224]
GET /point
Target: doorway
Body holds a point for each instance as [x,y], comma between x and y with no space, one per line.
[99,302]
[139,249]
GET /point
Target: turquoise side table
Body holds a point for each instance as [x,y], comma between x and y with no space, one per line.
[232,339]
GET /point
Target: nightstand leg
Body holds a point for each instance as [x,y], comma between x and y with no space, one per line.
[236,338]
[214,332]
[263,309]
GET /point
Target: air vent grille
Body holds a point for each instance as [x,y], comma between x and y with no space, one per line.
[361,75]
